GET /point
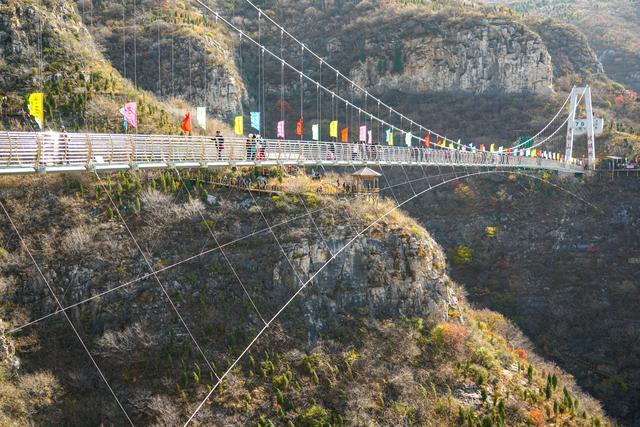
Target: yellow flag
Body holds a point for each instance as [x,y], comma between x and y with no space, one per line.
[451,146]
[493,148]
[239,124]
[36,107]
[333,129]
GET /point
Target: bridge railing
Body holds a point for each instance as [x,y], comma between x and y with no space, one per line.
[50,149]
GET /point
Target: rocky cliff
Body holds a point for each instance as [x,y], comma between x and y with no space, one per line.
[382,334]
[565,272]
[467,53]
[173,50]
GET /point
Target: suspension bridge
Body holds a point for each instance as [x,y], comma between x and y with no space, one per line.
[66,152]
[50,152]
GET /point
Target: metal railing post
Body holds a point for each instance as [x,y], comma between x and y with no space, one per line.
[89,151]
[39,150]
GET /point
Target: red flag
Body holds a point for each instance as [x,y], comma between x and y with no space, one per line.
[427,141]
[186,123]
[299,127]
[508,151]
[481,147]
[345,135]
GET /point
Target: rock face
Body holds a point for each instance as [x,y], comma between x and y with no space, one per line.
[8,357]
[384,275]
[180,54]
[569,49]
[436,53]
[21,25]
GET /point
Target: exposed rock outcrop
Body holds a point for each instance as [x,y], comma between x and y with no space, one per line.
[569,49]
[439,53]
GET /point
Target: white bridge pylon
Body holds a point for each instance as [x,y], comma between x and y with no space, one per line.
[50,152]
[583,93]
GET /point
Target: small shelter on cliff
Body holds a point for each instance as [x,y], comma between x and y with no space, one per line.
[366,181]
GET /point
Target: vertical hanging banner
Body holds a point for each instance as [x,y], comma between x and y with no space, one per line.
[407,139]
[315,130]
[36,107]
[363,134]
[238,126]
[186,123]
[131,114]
[427,141]
[280,130]
[299,127]
[255,120]
[344,135]
[482,147]
[333,129]
[370,140]
[451,146]
[201,117]
[493,148]
[389,137]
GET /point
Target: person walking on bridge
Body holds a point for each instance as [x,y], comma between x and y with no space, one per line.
[219,144]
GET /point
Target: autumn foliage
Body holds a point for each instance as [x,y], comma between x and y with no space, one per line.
[521,353]
[536,417]
[449,337]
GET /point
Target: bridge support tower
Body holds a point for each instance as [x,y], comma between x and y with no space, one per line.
[585,94]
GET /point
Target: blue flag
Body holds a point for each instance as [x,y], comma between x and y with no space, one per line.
[255,120]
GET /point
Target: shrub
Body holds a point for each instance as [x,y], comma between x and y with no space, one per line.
[491,231]
[617,86]
[314,416]
[463,191]
[462,256]
[75,241]
[485,357]
[449,338]
[521,353]
[536,417]
[3,253]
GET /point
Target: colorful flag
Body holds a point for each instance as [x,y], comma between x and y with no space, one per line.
[451,147]
[481,147]
[315,129]
[493,148]
[427,141]
[186,123]
[407,139]
[333,129]
[280,133]
[500,149]
[201,117]
[238,126]
[370,140]
[131,114]
[36,107]
[363,134]
[255,120]
[344,135]
[299,127]
[389,136]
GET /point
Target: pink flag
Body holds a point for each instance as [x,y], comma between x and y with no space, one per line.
[281,129]
[131,114]
[370,137]
[363,134]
